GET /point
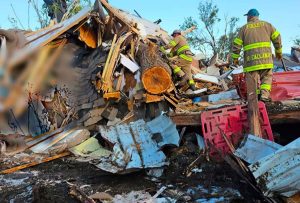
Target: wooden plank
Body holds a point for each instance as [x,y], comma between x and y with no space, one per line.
[150,98]
[118,15]
[172,102]
[253,111]
[285,117]
[108,71]
[112,95]
[17,168]
[109,56]
[192,119]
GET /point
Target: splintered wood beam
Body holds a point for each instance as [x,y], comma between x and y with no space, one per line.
[112,95]
[172,102]
[118,15]
[17,168]
[111,63]
[109,57]
[253,111]
[153,98]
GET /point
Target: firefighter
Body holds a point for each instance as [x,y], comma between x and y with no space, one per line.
[255,38]
[181,58]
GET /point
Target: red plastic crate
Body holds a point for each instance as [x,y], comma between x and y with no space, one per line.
[234,124]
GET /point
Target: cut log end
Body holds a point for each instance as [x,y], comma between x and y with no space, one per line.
[156,80]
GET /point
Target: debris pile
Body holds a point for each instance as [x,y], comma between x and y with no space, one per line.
[97,87]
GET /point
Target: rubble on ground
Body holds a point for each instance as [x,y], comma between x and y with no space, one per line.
[91,97]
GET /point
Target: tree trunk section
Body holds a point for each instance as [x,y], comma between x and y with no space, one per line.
[155,73]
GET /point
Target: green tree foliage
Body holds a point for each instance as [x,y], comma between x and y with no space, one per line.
[74,5]
[207,38]
[297,41]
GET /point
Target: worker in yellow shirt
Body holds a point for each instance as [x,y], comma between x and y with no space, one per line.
[181,58]
[255,39]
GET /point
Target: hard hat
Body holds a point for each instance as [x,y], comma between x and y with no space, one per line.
[252,12]
[176,32]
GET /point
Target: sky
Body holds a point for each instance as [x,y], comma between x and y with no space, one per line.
[284,15]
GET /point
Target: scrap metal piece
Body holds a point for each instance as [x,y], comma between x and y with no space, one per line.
[134,148]
[166,128]
[254,148]
[279,173]
[51,141]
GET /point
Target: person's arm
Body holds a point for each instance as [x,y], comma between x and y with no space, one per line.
[276,40]
[171,45]
[237,46]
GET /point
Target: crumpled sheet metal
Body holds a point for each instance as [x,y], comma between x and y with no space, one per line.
[254,148]
[279,172]
[286,85]
[69,137]
[90,149]
[134,147]
[232,94]
[166,128]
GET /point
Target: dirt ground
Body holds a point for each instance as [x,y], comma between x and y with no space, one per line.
[209,181]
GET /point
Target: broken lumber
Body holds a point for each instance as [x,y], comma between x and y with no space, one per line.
[17,168]
[152,98]
[253,111]
[156,74]
[111,63]
[116,13]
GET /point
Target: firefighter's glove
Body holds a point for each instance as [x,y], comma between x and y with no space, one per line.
[279,56]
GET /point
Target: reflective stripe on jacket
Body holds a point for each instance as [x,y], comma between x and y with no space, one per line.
[255,39]
[179,47]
